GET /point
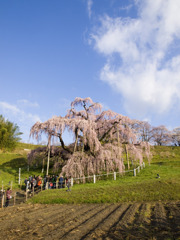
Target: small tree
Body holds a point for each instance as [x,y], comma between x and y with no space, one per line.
[9,134]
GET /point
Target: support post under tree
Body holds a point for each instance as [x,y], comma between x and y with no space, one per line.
[49,149]
[127,157]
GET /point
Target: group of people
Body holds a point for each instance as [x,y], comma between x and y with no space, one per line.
[50,182]
[33,181]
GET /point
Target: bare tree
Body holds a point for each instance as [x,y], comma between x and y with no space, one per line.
[161,135]
[176,136]
[143,130]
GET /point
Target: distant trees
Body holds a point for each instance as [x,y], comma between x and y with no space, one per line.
[176,136]
[161,135]
[101,139]
[9,134]
[143,130]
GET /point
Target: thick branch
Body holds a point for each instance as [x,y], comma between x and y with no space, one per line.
[106,133]
[62,144]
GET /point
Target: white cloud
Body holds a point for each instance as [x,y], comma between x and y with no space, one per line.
[126,8]
[6,107]
[143,62]
[13,111]
[27,103]
[89,7]
[22,118]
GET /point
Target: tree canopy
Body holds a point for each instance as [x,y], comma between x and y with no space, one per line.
[101,139]
[9,134]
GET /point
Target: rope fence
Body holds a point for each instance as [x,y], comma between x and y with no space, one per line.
[94,177]
[22,196]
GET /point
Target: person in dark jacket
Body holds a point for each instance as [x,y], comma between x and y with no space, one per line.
[61,180]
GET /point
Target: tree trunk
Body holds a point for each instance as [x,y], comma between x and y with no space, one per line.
[76,133]
[49,149]
[127,157]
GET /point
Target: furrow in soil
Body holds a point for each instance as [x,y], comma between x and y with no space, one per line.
[85,223]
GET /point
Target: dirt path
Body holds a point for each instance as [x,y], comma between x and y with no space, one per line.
[92,221]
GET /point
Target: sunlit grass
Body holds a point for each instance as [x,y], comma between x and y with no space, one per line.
[10,162]
[144,187]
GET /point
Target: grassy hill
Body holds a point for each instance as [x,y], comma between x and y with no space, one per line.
[10,162]
[144,187]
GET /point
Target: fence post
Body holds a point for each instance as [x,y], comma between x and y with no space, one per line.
[144,164]
[56,184]
[114,175]
[26,194]
[94,178]
[72,182]
[138,169]
[14,198]
[19,176]
[134,172]
[2,203]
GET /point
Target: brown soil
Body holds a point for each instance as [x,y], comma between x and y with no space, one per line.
[91,221]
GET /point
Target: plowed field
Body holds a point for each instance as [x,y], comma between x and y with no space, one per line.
[91,221]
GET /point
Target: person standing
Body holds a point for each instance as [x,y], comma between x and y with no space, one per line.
[8,197]
[61,180]
[68,184]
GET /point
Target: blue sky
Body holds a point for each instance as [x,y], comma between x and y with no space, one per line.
[124,54]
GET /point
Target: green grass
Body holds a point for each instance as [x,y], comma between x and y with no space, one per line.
[10,162]
[144,187]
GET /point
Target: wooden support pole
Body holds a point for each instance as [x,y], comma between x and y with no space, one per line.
[47,172]
[127,157]
[134,172]
[138,169]
[49,151]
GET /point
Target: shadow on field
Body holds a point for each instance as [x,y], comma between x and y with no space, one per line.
[158,229]
[12,166]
